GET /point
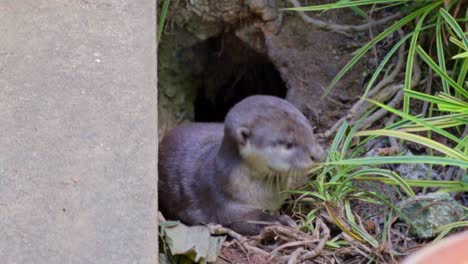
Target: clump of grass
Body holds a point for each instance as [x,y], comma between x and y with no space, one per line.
[445,114]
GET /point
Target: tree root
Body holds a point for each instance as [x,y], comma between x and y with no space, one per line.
[395,102]
[243,241]
[343,29]
[320,246]
[293,258]
[294,245]
[386,89]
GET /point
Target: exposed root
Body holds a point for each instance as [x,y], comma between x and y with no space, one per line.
[395,102]
[388,79]
[377,115]
[343,29]
[283,232]
[320,246]
[244,242]
[386,89]
[281,244]
[290,245]
[293,258]
[220,230]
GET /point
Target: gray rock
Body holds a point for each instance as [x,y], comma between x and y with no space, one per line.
[416,171]
[431,211]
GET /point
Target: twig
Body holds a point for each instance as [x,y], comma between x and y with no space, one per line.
[293,244]
[220,230]
[355,245]
[318,249]
[283,231]
[293,258]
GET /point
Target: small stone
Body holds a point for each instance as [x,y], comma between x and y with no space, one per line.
[429,212]
[416,171]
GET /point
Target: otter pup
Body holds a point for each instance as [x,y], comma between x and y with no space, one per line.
[231,173]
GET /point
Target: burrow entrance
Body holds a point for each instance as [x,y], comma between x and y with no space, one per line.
[233,71]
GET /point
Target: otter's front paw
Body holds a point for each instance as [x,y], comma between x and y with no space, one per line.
[287,221]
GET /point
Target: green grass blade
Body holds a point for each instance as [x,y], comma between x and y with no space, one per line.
[452,104]
[440,99]
[162,18]
[389,175]
[417,139]
[440,72]
[416,120]
[342,174]
[343,4]
[384,62]
[340,135]
[391,205]
[363,233]
[349,211]
[311,194]
[461,56]
[363,50]
[440,51]
[454,25]
[463,145]
[455,185]
[359,11]
[356,9]
[464,68]
[401,160]
[445,229]
[445,121]
[457,42]
[410,60]
[351,133]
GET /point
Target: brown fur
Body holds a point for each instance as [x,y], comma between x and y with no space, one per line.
[231,173]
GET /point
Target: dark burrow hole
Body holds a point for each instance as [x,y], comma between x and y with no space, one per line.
[234,71]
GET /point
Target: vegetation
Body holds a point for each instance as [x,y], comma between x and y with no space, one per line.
[162,19]
[424,72]
[438,49]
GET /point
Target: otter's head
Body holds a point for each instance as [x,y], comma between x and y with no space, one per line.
[273,136]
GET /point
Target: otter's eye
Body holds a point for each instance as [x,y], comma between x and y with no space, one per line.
[286,144]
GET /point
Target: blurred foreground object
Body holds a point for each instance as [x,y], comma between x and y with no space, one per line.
[453,250]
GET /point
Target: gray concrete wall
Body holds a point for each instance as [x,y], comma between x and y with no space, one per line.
[78,133]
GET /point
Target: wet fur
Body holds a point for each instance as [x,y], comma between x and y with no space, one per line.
[217,173]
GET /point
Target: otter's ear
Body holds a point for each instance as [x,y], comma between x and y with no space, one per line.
[242,134]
